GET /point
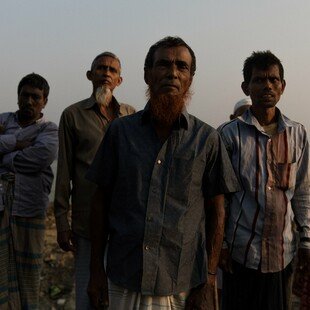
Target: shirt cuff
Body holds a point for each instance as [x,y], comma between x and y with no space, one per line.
[304,243]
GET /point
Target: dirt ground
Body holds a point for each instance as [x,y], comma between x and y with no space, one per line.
[57,291]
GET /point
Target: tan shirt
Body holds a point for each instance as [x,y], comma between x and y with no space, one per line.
[81,130]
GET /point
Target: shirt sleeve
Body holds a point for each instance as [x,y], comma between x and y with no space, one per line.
[7,143]
[301,199]
[219,176]
[64,172]
[29,133]
[39,155]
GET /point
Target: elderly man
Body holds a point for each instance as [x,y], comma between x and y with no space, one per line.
[161,174]
[82,127]
[28,146]
[270,155]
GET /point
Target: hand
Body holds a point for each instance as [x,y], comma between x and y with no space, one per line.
[98,291]
[302,272]
[203,297]
[225,261]
[2,129]
[20,145]
[66,240]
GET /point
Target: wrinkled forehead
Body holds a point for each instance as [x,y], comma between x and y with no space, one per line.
[174,53]
[107,60]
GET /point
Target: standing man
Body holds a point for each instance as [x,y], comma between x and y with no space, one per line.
[161,176]
[270,155]
[28,146]
[82,127]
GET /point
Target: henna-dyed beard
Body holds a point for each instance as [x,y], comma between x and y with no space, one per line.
[166,108]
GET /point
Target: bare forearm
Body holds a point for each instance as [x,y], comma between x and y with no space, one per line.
[215,221]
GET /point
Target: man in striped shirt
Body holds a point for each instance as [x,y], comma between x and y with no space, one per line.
[270,155]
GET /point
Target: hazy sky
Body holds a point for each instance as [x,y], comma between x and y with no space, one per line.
[59,38]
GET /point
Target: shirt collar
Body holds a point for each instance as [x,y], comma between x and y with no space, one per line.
[91,102]
[248,118]
[182,122]
[38,121]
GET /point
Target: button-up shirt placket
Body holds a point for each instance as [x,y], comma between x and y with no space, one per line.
[155,213]
[269,214]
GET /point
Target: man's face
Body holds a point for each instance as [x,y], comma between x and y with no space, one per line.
[265,87]
[31,101]
[170,73]
[105,72]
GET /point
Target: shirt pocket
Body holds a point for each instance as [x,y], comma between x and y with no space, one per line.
[180,176]
[285,175]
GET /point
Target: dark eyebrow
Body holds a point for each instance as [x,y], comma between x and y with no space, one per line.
[182,63]
[163,61]
[111,68]
[168,62]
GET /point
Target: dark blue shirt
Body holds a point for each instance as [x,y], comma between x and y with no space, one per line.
[157,214]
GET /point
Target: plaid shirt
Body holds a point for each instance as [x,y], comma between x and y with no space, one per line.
[273,172]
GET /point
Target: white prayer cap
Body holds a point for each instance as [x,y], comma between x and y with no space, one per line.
[241,103]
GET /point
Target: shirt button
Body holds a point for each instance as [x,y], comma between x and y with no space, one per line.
[269,140]
[159,161]
[269,188]
[147,247]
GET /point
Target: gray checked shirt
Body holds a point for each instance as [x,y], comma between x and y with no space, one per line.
[157,240]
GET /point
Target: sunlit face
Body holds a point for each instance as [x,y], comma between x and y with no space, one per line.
[170,73]
[105,72]
[265,87]
[31,102]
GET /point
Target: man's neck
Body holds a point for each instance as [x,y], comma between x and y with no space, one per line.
[163,130]
[265,116]
[26,122]
[107,110]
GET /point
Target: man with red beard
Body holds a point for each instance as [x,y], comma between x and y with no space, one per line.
[161,175]
[81,129]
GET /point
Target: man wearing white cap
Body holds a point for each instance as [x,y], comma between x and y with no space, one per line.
[240,107]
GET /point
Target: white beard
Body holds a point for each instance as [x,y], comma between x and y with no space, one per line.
[103,95]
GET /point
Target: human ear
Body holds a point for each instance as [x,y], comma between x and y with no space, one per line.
[120,80]
[45,102]
[146,76]
[283,86]
[89,75]
[245,88]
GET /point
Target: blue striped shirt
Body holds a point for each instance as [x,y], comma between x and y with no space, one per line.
[31,165]
[273,172]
